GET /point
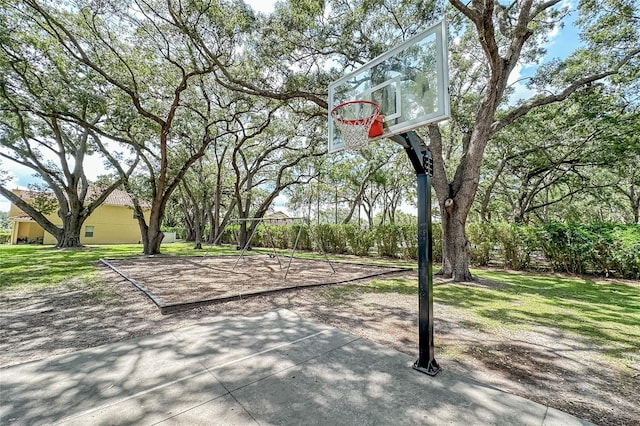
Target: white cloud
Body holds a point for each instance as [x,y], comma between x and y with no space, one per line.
[554,33]
[518,82]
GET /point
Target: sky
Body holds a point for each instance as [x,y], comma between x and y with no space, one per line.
[562,42]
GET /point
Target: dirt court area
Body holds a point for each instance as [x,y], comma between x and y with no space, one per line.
[175,283]
[542,364]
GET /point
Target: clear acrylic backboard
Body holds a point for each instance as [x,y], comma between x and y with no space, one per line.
[409,83]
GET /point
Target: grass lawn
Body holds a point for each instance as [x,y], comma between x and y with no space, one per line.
[37,266]
[606,313]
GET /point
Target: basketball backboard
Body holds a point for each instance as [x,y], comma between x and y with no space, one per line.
[409,83]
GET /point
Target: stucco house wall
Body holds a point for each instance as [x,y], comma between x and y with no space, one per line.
[111,223]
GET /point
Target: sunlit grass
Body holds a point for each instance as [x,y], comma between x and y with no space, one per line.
[606,313]
[37,266]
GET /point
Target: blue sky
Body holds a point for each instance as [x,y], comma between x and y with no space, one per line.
[560,45]
[563,41]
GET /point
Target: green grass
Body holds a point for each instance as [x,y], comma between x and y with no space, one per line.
[606,313]
[37,266]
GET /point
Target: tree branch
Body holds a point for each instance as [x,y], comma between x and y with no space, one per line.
[523,109]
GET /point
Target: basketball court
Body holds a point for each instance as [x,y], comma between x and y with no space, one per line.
[268,368]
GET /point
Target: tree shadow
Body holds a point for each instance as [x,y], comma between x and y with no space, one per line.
[278,367]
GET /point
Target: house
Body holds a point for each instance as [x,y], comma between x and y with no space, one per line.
[276,217]
[113,222]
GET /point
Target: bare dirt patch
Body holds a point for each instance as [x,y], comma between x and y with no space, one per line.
[542,364]
[181,281]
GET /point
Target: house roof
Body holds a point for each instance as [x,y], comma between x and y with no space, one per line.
[116,198]
[277,214]
[20,218]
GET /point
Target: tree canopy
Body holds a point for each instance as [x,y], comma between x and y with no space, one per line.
[224,109]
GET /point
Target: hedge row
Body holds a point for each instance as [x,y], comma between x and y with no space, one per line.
[397,241]
[596,248]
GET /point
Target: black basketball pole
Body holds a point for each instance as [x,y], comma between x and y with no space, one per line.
[422,161]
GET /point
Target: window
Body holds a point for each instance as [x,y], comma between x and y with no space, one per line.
[88,231]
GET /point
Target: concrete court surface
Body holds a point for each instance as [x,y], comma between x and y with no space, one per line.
[269,368]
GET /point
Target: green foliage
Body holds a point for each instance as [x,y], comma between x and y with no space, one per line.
[409,249]
[594,248]
[332,237]
[598,248]
[5,236]
[482,239]
[229,234]
[304,242]
[388,239]
[361,241]
[567,246]
[4,220]
[282,237]
[516,243]
[436,229]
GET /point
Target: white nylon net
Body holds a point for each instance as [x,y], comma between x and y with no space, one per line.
[353,120]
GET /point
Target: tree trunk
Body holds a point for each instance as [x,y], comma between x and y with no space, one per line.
[197,226]
[70,235]
[151,234]
[73,216]
[213,227]
[188,220]
[455,245]
[243,235]
[69,240]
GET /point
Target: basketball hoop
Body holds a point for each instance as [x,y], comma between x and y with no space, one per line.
[357,121]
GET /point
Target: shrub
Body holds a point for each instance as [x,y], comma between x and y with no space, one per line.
[409,242]
[5,236]
[568,247]
[516,244]
[229,235]
[598,248]
[305,240]
[436,229]
[388,238]
[617,250]
[332,237]
[360,240]
[482,240]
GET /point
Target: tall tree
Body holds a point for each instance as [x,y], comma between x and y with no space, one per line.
[506,35]
[154,71]
[48,107]
[269,156]
[500,37]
